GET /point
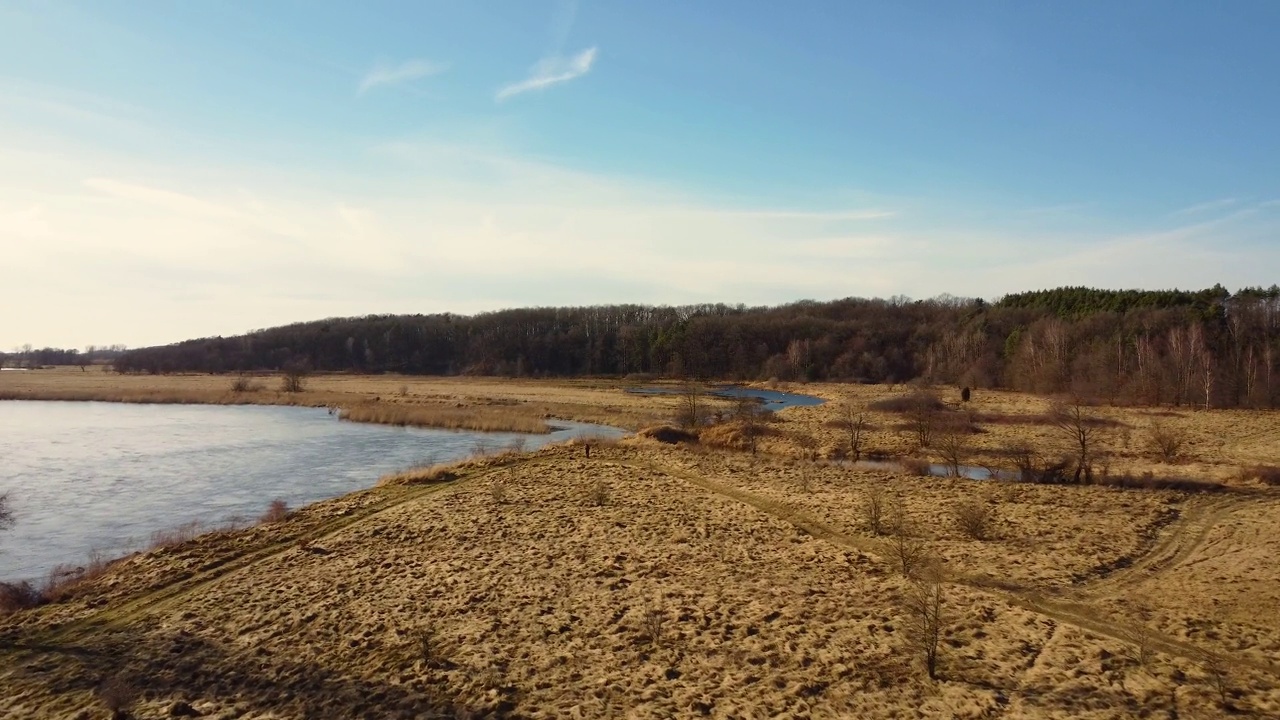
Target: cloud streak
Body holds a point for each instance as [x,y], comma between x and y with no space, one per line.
[550,71]
[385,74]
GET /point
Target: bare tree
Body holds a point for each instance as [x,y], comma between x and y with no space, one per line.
[874,510]
[953,446]
[691,412]
[922,418]
[909,551]
[295,374]
[924,618]
[1083,430]
[853,421]
[746,410]
[1207,369]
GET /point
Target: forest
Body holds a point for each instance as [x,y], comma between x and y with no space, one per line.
[1209,348]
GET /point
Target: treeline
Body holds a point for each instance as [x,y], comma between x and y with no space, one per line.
[1206,347]
[29,357]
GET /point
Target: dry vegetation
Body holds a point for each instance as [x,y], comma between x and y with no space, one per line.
[679,574]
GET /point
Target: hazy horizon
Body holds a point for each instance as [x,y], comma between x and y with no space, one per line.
[172,172]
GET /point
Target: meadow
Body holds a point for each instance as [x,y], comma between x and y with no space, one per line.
[695,578]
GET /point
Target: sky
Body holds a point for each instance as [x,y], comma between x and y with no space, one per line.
[171,170]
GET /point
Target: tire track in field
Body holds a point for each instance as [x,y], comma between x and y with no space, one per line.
[165,597]
[1079,614]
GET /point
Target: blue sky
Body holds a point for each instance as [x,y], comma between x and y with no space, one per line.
[170,170]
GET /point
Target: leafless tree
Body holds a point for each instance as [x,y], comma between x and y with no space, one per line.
[953,446]
[909,551]
[874,509]
[924,618]
[853,421]
[746,410]
[295,374]
[691,412]
[1083,430]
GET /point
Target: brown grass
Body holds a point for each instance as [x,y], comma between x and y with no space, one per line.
[438,416]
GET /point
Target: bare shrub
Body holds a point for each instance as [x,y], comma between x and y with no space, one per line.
[924,619]
[276,511]
[118,695]
[431,647]
[244,384]
[294,378]
[176,535]
[18,596]
[498,491]
[404,391]
[1165,442]
[806,477]
[690,413]
[909,552]
[874,511]
[598,495]
[1268,474]
[653,626]
[953,445]
[854,422]
[913,402]
[1215,668]
[515,446]
[975,519]
[668,434]
[1084,431]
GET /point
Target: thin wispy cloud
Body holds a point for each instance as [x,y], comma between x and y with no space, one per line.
[550,71]
[385,74]
[1205,207]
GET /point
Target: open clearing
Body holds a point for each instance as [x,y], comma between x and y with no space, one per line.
[668,581]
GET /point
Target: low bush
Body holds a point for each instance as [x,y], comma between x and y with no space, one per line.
[915,402]
[19,596]
[1165,442]
[276,511]
[1267,474]
[668,434]
[1149,481]
[598,495]
[975,519]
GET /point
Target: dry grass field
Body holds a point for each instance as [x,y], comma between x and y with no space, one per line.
[655,580]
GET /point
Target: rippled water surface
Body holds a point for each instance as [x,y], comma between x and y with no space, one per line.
[85,476]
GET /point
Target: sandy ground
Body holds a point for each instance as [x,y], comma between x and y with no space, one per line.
[660,581]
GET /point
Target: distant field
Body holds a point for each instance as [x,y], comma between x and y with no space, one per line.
[691,580]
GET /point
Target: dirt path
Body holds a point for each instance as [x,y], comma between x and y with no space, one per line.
[1182,537]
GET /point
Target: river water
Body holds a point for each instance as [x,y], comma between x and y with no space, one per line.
[88,476]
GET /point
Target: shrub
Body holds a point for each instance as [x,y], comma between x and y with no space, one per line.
[176,535]
[652,626]
[915,402]
[909,552]
[498,491]
[1165,442]
[598,495]
[874,510]
[18,596]
[276,511]
[924,620]
[1268,474]
[244,384]
[118,696]
[975,519]
[668,434]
